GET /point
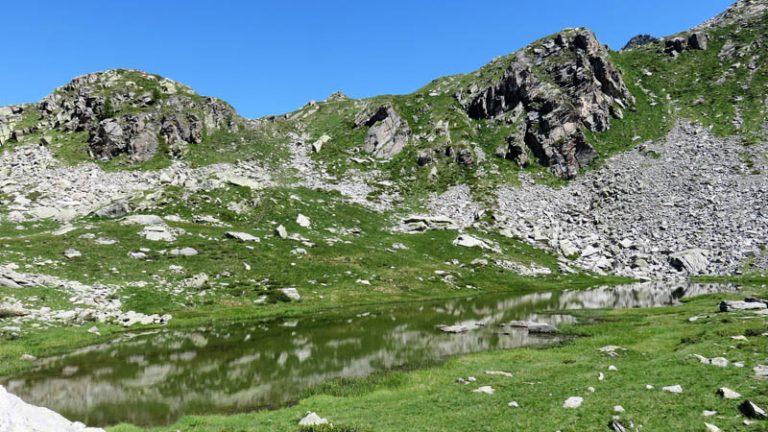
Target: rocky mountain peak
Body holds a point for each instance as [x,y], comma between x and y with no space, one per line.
[555,87]
[129,112]
[742,11]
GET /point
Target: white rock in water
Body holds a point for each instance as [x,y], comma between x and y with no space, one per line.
[303,221]
[573,402]
[312,419]
[19,416]
[677,388]
[485,389]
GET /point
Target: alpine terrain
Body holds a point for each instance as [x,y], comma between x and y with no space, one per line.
[570,238]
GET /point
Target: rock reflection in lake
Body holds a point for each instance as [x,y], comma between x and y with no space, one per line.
[156,377]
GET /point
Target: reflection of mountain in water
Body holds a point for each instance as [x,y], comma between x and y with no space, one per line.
[155,378]
[639,295]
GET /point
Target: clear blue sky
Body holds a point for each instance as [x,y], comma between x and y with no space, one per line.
[271,56]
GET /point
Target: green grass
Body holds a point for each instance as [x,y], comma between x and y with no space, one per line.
[659,347]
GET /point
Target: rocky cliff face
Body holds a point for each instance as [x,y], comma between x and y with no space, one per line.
[132,113]
[558,86]
[387,134]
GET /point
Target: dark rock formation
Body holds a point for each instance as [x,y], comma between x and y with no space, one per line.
[465,157]
[562,84]
[639,40]
[695,41]
[129,112]
[388,133]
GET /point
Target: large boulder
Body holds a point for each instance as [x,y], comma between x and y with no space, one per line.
[387,134]
[561,85]
[19,416]
[691,261]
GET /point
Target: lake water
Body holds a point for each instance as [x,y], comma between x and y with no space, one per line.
[154,378]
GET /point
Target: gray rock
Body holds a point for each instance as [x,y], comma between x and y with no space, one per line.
[691,261]
[468,241]
[171,112]
[198,281]
[312,419]
[712,428]
[281,232]
[761,371]
[726,393]
[242,236]
[698,40]
[736,305]
[584,92]
[639,40]
[19,416]
[751,410]
[677,388]
[184,252]
[573,402]
[388,133]
[303,221]
[291,293]
[72,253]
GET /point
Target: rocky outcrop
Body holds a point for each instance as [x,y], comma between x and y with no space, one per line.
[639,40]
[741,12]
[558,86]
[9,117]
[388,133]
[130,113]
[695,41]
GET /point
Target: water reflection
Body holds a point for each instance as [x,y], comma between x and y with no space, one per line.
[154,378]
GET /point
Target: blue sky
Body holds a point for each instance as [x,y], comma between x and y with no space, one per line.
[268,57]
